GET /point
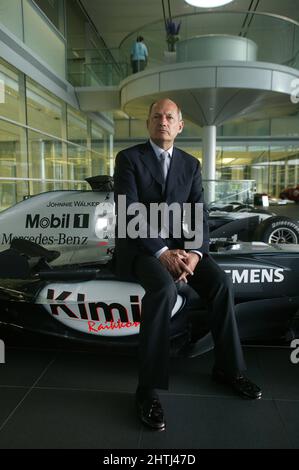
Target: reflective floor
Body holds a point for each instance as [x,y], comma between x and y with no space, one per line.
[59,395]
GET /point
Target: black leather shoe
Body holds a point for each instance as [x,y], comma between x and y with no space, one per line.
[239,383]
[150,411]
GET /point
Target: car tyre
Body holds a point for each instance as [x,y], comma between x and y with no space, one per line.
[277,230]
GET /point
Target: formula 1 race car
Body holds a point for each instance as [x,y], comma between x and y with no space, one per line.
[81,224]
[246,223]
[87,302]
[56,277]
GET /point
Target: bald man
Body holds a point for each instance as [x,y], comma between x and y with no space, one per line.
[156,172]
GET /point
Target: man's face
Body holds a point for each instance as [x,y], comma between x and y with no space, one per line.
[164,123]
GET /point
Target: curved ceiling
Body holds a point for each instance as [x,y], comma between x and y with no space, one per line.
[211,94]
[115,19]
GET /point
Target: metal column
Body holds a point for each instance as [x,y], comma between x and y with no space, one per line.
[209,162]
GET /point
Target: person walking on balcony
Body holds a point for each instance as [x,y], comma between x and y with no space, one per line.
[139,55]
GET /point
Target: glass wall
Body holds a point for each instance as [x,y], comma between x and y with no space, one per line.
[44,110]
[44,143]
[79,160]
[265,151]
[100,149]
[10,106]
[28,23]
[90,62]
[11,16]
[54,10]
[46,162]
[13,164]
[273,166]
[43,40]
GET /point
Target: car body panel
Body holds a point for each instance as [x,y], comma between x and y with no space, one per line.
[107,308]
[78,287]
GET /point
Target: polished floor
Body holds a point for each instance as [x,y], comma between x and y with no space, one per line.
[54,394]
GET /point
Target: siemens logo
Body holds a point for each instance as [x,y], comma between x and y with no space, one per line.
[249,276]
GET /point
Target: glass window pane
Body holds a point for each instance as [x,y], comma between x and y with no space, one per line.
[42,39]
[11,16]
[45,162]
[100,153]
[79,158]
[44,111]
[286,126]
[13,164]
[241,128]
[138,129]
[79,163]
[10,101]
[76,127]
[122,128]
[191,130]
[51,8]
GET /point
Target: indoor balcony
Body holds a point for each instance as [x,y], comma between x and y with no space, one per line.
[225,65]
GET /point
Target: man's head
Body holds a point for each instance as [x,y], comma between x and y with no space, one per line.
[164,122]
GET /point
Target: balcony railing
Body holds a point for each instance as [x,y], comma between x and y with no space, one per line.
[96,67]
[276,37]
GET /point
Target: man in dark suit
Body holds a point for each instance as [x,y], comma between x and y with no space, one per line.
[158,263]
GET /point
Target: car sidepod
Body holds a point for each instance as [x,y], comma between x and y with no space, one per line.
[266,290]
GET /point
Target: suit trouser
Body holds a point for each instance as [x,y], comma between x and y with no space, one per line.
[215,287]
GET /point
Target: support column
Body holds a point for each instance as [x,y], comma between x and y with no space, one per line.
[286,175]
[111,158]
[209,162]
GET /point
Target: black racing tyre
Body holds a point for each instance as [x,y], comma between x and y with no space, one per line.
[277,230]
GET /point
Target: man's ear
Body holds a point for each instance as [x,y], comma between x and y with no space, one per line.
[181,127]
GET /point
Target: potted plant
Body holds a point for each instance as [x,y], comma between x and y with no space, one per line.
[172,32]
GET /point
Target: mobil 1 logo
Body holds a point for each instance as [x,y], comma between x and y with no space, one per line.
[78,221]
[81,220]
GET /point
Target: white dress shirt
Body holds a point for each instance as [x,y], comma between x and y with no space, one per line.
[158,150]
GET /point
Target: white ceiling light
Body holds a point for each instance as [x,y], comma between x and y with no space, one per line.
[208,3]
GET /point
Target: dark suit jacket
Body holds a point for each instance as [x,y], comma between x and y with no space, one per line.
[138,176]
